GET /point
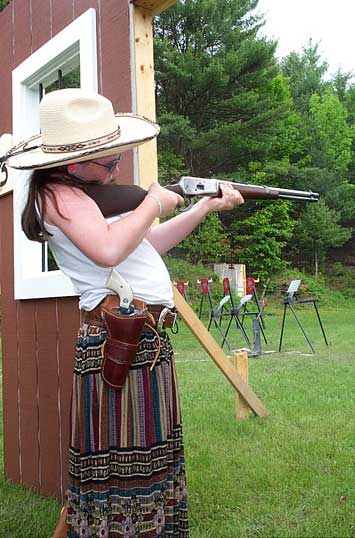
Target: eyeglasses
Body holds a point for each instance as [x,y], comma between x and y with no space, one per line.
[111,165]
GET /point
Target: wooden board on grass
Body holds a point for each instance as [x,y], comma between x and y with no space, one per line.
[217,354]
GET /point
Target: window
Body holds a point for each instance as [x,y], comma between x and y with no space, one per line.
[67,60]
[70,80]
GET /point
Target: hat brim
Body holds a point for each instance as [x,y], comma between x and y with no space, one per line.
[134,130]
[5,146]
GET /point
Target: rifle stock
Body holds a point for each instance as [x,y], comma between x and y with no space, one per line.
[117,199]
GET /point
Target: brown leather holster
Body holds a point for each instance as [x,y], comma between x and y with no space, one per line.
[120,348]
[123,333]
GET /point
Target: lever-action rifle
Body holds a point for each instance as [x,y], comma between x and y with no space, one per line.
[116,199]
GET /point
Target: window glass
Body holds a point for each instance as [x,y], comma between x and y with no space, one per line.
[69,80]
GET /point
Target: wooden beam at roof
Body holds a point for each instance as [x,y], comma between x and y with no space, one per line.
[154,7]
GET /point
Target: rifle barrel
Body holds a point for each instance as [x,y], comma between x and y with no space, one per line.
[260,192]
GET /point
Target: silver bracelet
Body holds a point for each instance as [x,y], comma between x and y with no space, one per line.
[155,197]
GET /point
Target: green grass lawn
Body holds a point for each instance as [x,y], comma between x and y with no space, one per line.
[291,474]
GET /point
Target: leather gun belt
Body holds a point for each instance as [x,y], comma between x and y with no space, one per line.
[164,317]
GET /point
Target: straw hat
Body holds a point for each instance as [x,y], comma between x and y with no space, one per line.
[77,125]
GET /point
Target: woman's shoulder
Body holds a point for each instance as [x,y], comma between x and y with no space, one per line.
[68,192]
[63,199]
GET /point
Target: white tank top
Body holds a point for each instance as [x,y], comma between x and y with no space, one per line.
[143,269]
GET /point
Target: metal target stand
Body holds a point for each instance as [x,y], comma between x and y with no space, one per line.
[251,290]
[292,299]
[181,286]
[215,313]
[238,313]
[205,293]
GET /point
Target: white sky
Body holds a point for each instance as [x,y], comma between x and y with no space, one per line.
[329,22]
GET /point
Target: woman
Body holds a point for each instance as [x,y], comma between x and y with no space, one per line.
[126,458]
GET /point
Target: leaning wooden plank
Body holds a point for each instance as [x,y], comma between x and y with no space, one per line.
[217,354]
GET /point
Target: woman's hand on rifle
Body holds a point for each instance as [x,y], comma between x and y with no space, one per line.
[230,198]
[170,233]
[166,200]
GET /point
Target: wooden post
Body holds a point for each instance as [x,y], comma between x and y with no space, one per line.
[145,97]
[242,366]
[144,12]
[217,354]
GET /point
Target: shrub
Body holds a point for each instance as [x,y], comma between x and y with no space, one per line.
[181,269]
[322,288]
[342,279]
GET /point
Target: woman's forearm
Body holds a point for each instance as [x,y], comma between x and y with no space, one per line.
[124,235]
[167,235]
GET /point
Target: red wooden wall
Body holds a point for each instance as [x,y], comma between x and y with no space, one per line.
[38,336]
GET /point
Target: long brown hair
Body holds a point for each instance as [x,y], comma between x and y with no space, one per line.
[40,187]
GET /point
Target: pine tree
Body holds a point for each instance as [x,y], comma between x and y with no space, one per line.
[219,92]
[318,230]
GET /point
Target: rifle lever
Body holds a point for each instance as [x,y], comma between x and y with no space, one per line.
[186,208]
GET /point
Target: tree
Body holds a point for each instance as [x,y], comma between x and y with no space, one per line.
[349,102]
[223,105]
[332,137]
[258,240]
[174,146]
[318,230]
[208,243]
[228,110]
[340,84]
[305,72]
[342,198]
[214,72]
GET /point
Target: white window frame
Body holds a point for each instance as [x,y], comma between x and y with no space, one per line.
[77,40]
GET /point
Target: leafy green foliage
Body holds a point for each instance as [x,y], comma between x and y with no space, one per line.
[227,109]
[340,85]
[305,72]
[213,71]
[342,198]
[332,136]
[181,269]
[171,167]
[207,243]
[4,3]
[258,240]
[190,273]
[318,230]
[342,278]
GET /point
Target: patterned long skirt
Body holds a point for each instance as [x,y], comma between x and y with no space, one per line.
[126,459]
